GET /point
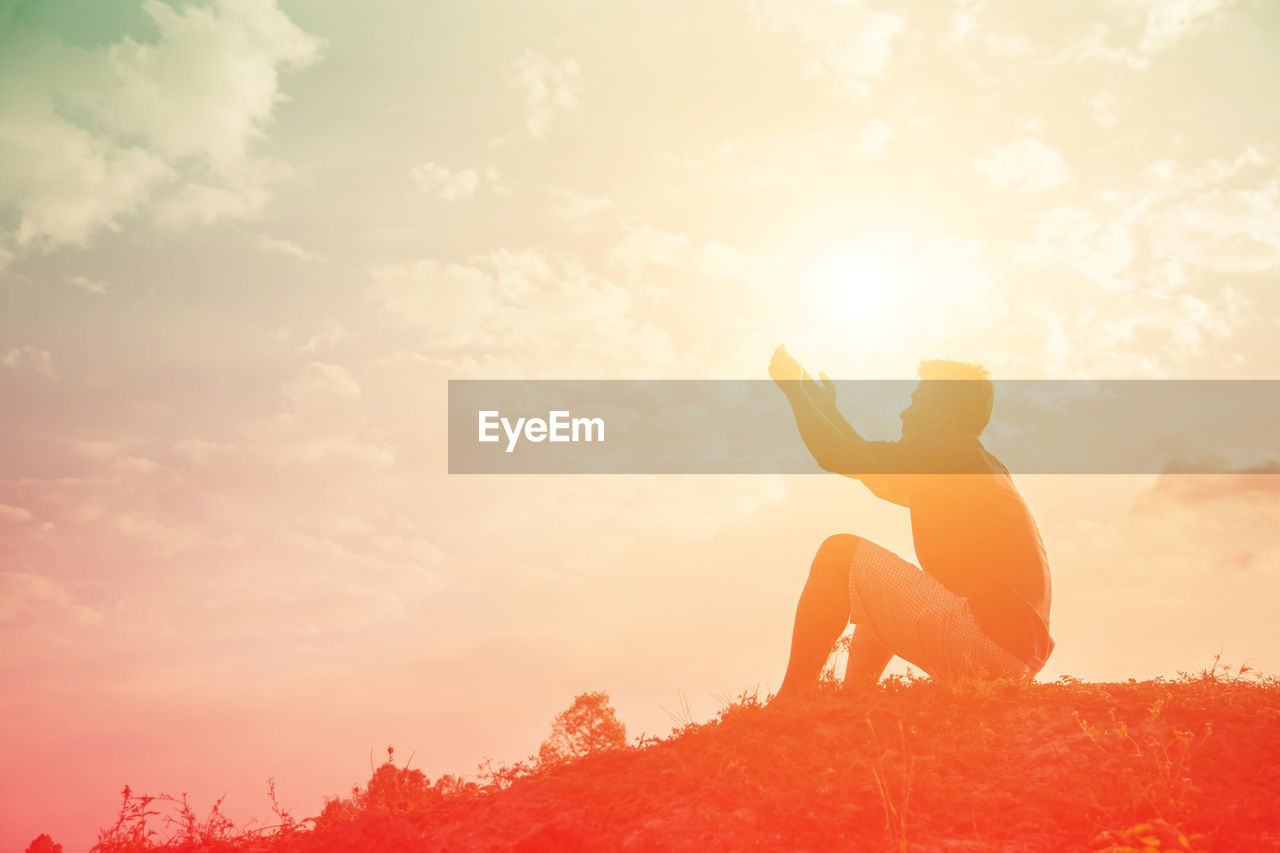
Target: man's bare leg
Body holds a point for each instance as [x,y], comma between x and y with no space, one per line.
[868,656]
[821,616]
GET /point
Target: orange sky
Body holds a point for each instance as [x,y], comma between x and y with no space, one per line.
[243,246]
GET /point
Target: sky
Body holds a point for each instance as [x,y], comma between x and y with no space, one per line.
[244,244]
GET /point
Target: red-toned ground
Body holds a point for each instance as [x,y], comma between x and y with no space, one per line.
[911,766]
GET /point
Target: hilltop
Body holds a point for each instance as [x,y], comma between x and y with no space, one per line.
[1185,764]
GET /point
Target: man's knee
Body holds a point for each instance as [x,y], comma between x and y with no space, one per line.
[836,553]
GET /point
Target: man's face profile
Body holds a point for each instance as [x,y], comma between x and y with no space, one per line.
[929,409]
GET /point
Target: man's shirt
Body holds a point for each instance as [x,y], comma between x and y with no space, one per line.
[972,531]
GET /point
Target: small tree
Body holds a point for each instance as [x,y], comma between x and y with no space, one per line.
[588,725]
[44,844]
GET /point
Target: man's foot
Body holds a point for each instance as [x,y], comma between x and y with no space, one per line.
[788,699]
[858,689]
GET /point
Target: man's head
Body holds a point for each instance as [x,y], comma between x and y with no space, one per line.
[952,397]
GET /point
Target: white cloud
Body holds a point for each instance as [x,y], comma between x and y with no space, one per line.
[1024,164]
[92,136]
[318,379]
[278,246]
[1164,23]
[196,450]
[330,334]
[576,206]
[1232,231]
[851,42]
[1222,216]
[1103,105]
[1099,247]
[39,360]
[547,87]
[1138,273]
[519,310]
[238,196]
[341,450]
[434,179]
[1169,20]
[68,184]
[496,186]
[1095,46]
[14,513]
[88,285]
[873,137]
[25,595]
[963,19]
[647,246]
[1007,45]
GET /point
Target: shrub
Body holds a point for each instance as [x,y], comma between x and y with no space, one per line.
[588,725]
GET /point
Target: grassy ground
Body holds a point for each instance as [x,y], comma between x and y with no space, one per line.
[1187,764]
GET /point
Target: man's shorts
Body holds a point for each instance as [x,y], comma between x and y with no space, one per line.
[921,620]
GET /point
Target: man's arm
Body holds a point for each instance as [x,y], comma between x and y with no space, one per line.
[831,447]
[836,447]
[832,441]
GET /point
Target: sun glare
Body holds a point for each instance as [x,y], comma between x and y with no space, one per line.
[860,300]
[859,283]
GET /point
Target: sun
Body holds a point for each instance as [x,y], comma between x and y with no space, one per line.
[859,301]
[857,282]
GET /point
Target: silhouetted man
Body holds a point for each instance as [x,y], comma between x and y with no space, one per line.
[981,604]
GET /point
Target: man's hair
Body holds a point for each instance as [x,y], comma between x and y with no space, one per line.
[970,400]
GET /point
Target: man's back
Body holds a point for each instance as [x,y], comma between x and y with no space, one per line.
[974,532]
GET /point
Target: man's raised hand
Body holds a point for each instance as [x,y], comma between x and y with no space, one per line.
[784,368]
[822,394]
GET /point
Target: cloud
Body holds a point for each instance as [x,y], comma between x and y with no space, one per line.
[1185,482]
[547,86]
[519,311]
[14,513]
[850,41]
[1153,254]
[330,334]
[195,450]
[1103,105]
[167,124]
[1222,216]
[25,596]
[1006,46]
[963,19]
[277,246]
[576,206]
[494,180]
[873,137]
[1025,165]
[646,246]
[342,450]
[320,380]
[34,358]
[1169,20]
[436,180]
[1098,246]
[1163,23]
[1223,230]
[238,196]
[88,285]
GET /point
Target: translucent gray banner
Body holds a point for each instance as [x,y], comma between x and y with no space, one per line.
[747,426]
